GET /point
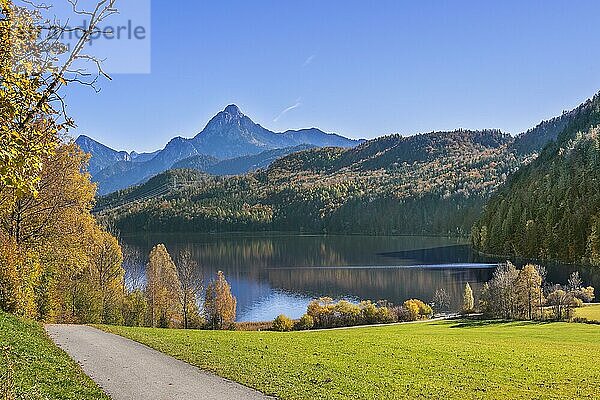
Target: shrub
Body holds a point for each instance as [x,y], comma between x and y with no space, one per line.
[580,320]
[321,311]
[283,324]
[254,326]
[413,310]
[368,312]
[326,314]
[305,323]
[385,315]
[346,314]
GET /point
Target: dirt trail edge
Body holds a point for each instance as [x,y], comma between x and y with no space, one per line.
[127,370]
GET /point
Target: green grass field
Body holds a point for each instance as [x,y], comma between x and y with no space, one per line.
[590,312]
[438,360]
[40,369]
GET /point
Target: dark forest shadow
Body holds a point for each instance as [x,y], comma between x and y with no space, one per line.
[480,323]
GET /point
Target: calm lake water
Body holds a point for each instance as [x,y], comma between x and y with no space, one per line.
[272,274]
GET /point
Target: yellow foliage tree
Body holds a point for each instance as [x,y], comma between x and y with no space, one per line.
[220,304]
[27,135]
[106,275]
[55,244]
[32,75]
[468,300]
[529,288]
[163,289]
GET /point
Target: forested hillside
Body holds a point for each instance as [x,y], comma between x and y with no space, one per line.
[550,209]
[433,183]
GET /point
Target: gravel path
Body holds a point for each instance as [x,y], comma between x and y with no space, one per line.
[127,370]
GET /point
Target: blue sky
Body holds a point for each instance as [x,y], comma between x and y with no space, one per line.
[357,68]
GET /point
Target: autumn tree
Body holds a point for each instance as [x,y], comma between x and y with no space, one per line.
[191,287]
[9,276]
[51,230]
[561,302]
[529,288]
[219,303]
[34,68]
[163,289]
[543,273]
[498,297]
[441,300]
[20,278]
[135,308]
[106,272]
[23,145]
[468,301]
[283,323]
[57,264]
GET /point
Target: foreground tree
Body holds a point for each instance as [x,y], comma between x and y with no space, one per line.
[191,287]
[106,273]
[32,76]
[219,304]
[163,289]
[47,267]
[49,236]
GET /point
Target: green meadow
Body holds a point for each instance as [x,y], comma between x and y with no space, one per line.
[32,367]
[436,360]
[592,312]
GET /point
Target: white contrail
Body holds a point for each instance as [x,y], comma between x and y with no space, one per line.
[309,60]
[290,108]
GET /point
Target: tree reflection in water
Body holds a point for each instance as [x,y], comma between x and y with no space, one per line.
[274,273]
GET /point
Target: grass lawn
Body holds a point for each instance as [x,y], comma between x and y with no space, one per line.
[40,369]
[437,360]
[590,312]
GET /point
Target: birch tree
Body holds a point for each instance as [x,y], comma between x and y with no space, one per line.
[191,287]
[163,289]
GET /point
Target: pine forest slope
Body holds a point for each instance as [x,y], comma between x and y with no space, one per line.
[550,209]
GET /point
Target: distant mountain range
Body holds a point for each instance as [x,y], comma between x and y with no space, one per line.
[231,143]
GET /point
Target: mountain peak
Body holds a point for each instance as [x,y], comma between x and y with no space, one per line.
[233,111]
[84,139]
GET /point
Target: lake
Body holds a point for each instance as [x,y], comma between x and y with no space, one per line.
[272,274]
